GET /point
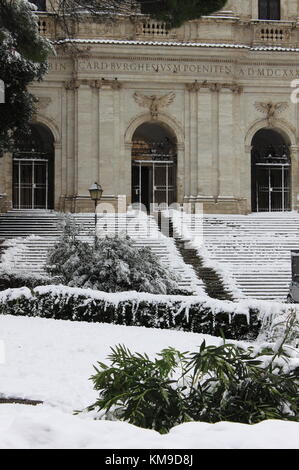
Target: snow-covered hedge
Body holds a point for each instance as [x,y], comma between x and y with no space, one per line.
[188,313]
[14,279]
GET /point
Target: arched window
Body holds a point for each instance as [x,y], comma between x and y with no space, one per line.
[41,4]
[269,9]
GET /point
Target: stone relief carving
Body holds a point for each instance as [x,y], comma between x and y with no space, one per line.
[154,102]
[106,84]
[271,109]
[213,86]
[43,102]
[74,84]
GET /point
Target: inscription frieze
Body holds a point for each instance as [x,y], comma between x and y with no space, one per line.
[136,66]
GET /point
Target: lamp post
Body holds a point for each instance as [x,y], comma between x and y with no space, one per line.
[95,192]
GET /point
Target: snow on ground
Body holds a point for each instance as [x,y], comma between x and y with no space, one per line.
[52,360]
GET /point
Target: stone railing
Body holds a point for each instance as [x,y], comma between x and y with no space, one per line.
[258,32]
[276,33]
[118,29]
[154,28]
[46,25]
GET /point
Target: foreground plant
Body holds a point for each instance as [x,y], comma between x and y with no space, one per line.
[217,383]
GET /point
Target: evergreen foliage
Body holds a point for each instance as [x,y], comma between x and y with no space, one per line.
[113,264]
[217,383]
[14,280]
[23,54]
[185,313]
[173,12]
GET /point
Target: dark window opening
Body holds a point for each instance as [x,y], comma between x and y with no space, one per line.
[41,4]
[269,9]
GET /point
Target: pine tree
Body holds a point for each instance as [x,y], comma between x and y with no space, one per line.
[173,12]
[23,58]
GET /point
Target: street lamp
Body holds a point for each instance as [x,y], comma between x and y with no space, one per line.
[95,192]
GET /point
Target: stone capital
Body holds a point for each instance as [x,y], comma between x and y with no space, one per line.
[72,84]
[193,87]
[215,87]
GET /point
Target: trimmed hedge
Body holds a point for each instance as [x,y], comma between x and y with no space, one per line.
[15,280]
[192,314]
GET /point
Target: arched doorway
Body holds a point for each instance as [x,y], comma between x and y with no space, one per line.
[271,172]
[33,170]
[154,162]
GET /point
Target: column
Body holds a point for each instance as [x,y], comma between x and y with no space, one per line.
[205,142]
[110,173]
[215,170]
[85,134]
[227,174]
[295,177]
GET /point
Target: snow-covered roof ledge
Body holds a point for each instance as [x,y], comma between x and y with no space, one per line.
[127,42]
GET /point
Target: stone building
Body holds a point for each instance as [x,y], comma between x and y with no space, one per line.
[202,113]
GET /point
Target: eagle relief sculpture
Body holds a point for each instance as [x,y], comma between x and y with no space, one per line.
[154,102]
[271,109]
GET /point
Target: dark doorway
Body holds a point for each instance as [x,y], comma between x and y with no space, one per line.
[271,172]
[33,170]
[154,160]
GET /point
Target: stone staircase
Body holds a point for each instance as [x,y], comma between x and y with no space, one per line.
[254,250]
[212,281]
[29,235]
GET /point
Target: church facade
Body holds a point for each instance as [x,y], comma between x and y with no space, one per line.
[203,113]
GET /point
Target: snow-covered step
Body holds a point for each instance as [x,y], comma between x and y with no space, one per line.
[254,250]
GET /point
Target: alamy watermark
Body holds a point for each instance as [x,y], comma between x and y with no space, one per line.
[185,220]
[2,92]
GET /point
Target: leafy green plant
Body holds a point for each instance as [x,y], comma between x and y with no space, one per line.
[139,390]
[113,264]
[217,383]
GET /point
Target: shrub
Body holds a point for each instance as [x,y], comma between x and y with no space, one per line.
[14,280]
[113,264]
[224,383]
[195,314]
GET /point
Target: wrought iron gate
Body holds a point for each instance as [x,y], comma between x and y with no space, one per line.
[30,183]
[273,187]
[153,182]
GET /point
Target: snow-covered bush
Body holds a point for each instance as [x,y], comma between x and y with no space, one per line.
[68,254]
[224,383]
[113,264]
[186,313]
[15,279]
